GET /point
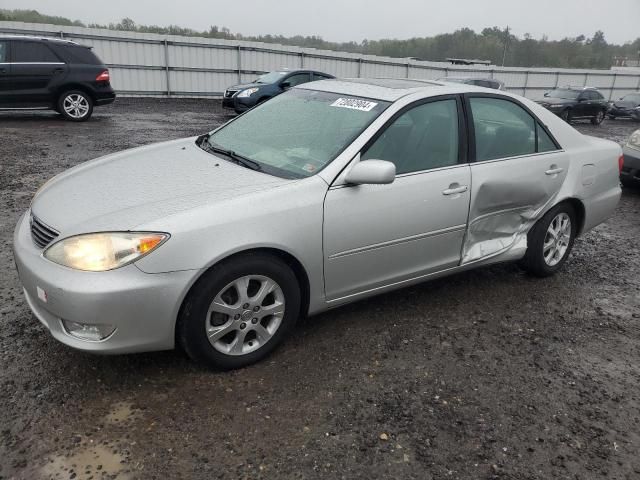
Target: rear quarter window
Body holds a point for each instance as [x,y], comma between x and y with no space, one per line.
[78,54]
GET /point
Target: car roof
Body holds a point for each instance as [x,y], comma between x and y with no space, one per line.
[387,89]
[444,79]
[41,39]
[577,88]
[288,71]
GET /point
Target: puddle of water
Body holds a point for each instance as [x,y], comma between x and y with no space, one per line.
[121,413]
[93,462]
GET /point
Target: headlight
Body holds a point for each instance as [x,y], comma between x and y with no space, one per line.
[248,92]
[556,105]
[98,252]
[634,140]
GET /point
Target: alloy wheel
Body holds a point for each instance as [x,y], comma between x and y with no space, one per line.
[245,315]
[75,105]
[557,239]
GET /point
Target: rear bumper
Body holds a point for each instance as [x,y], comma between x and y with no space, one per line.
[631,168]
[105,98]
[142,307]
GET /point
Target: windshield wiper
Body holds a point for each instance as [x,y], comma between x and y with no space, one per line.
[204,143]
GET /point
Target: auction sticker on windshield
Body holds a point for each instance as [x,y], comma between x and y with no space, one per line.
[354,104]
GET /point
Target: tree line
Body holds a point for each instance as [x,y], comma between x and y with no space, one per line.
[495,44]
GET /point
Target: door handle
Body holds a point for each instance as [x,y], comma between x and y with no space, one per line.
[554,170]
[58,70]
[454,190]
[3,70]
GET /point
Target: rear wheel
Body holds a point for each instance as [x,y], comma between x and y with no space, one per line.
[75,105]
[597,120]
[550,241]
[239,311]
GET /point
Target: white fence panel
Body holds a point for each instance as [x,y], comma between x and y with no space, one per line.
[151,64]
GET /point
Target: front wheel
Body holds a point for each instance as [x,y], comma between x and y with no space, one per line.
[566,115]
[239,311]
[550,241]
[597,120]
[75,105]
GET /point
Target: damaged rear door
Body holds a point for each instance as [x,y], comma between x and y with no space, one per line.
[518,171]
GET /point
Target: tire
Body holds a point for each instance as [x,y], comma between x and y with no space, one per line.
[244,327]
[566,115]
[599,118]
[75,106]
[541,261]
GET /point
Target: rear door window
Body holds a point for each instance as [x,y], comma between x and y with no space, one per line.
[502,129]
[33,52]
[545,143]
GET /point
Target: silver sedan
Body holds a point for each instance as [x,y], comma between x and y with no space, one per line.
[327,194]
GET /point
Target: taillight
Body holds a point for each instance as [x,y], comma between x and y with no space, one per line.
[620,163]
[103,77]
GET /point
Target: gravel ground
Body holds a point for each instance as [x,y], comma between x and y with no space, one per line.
[486,374]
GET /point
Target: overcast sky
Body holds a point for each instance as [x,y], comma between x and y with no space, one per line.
[342,20]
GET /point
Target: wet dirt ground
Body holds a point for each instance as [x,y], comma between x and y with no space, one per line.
[488,374]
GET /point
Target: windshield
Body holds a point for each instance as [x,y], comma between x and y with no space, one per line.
[634,97]
[564,93]
[270,77]
[298,133]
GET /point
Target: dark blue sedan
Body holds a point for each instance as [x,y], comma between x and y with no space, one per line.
[243,97]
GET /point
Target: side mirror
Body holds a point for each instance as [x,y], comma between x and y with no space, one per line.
[372,172]
[582,99]
[546,94]
[285,85]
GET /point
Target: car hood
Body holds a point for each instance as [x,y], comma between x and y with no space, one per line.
[244,86]
[625,104]
[554,101]
[134,187]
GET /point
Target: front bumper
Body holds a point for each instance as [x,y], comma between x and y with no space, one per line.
[239,104]
[143,307]
[621,112]
[631,168]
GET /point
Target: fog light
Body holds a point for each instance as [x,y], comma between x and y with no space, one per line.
[90,332]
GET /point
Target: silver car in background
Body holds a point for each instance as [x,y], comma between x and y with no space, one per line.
[327,194]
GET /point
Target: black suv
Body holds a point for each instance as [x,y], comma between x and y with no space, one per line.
[245,96]
[47,73]
[572,103]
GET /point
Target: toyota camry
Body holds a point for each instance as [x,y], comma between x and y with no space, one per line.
[332,192]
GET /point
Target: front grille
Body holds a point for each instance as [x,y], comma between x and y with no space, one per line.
[230,93]
[41,233]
